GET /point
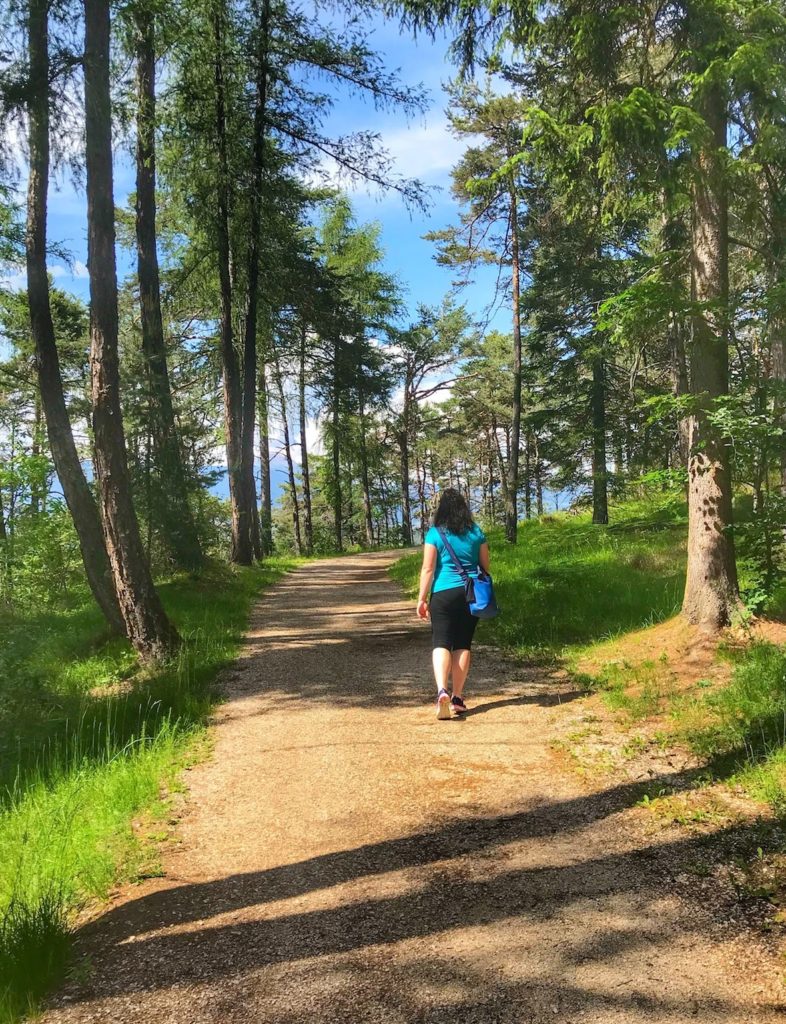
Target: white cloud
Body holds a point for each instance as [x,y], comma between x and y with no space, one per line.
[426,151]
[314,437]
[313,434]
[15,282]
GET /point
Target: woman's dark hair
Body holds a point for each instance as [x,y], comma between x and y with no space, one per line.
[453,512]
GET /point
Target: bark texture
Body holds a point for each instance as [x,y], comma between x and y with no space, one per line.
[711,587]
[336,455]
[65,456]
[403,442]
[170,488]
[368,519]
[149,630]
[308,526]
[250,370]
[241,547]
[282,401]
[266,494]
[777,325]
[778,342]
[511,494]
[600,504]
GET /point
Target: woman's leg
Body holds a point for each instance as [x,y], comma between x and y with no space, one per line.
[440,658]
[460,663]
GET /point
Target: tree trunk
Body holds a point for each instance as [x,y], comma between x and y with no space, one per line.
[711,587]
[492,501]
[252,311]
[149,630]
[679,385]
[308,522]
[364,479]
[511,491]
[77,492]
[384,492]
[778,341]
[403,440]
[336,454]
[242,552]
[282,401]
[421,479]
[406,510]
[484,485]
[600,507]
[169,485]
[37,488]
[777,331]
[350,520]
[503,472]
[538,476]
[266,490]
[527,480]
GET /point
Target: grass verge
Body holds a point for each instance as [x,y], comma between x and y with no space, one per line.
[589,595]
[740,726]
[91,749]
[568,582]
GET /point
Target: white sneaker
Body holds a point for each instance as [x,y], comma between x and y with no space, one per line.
[443,705]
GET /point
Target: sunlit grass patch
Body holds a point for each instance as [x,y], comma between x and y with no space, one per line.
[568,583]
[695,808]
[640,691]
[742,724]
[91,751]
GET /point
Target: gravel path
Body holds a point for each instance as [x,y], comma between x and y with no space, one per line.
[344,857]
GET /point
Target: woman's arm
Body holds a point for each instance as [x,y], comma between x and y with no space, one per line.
[483,557]
[426,578]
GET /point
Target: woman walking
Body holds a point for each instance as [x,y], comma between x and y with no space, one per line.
[442,596]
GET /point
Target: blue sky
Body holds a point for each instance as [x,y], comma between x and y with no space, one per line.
[421,147]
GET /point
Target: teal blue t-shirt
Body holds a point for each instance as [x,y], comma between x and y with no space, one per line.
[467,548]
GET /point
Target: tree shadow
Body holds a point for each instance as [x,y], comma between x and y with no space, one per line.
[475,873]
[452,840]
[418,891]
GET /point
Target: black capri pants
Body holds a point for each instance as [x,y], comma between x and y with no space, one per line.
[452,625]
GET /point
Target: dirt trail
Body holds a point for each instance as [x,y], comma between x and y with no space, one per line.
[344,857]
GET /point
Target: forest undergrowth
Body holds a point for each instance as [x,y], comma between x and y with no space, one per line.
[91,752]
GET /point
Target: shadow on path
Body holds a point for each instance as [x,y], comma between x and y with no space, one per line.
[150,930]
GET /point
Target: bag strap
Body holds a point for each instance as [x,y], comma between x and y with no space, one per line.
[459,567]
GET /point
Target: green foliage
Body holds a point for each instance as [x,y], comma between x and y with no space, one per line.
[41,564]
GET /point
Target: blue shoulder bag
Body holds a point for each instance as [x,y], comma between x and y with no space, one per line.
[479,589]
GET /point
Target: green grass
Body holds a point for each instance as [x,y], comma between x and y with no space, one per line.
[568,583]
[639,691]
[740,727]
[90,749]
